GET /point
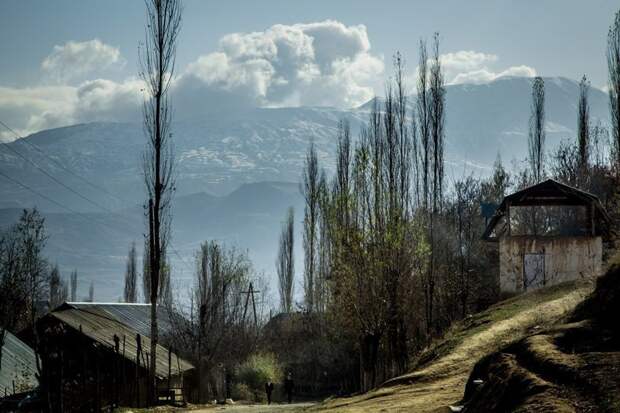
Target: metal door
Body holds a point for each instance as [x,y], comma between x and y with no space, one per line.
[533,271]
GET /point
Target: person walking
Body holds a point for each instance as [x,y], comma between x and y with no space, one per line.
[288,387]
[269,390]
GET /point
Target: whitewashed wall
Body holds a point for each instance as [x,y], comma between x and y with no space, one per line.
[565,258]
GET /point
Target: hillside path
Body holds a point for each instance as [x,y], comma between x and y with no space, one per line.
[440,383]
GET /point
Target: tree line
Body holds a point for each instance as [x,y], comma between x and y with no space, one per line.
[392,253]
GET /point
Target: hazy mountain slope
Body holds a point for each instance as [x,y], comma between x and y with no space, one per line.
[96,243]
[483,120]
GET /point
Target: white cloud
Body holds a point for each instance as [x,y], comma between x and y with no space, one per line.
[324,63]
[464,61]
[105,100]
[321,64]
[79,96]
[486,76]
[33,109]
[74,60]
[468,66]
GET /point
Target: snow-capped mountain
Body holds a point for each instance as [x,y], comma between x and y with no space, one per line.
[227,154]
[217,153]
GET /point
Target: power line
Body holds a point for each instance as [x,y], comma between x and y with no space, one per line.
[50,176]
[22,140]
[65,186]
[81,215]
[34,191]
[89,219]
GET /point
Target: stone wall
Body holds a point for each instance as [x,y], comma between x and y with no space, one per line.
[565,258]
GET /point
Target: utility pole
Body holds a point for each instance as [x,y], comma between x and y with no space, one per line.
[250,292]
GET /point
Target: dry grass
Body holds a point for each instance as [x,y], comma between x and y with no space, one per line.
[442,371]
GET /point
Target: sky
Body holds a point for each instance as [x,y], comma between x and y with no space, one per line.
[64,62]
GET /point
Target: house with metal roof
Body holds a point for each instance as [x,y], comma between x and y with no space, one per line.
[18,366]
[97,355]
[547,233]
[136,316]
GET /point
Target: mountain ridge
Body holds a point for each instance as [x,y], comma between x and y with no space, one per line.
[243,158]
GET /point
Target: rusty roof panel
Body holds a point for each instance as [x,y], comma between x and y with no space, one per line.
[134,315]
[18,366]
[97,324]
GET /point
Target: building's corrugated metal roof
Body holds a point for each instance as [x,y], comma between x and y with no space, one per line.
[18,365]
[135,316]
[549,192]
[97,324]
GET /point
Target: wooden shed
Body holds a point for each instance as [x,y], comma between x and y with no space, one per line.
[547,233]
[91,360]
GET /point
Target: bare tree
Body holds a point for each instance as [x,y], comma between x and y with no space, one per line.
[566,165]
[613,66]
[373,241]
[343,165]
[216,329]
[431,119]
[131,276]
[423,124]
[74,280]
[158,61]
[91,292]
[437,120]
[601,152]
[54,287]
[468,224]
[57,288]
[536,141]
[583,125]
[285,263]
[311,194]
[14,286]
[24,277]
[146,263]
[494,190]
[165,287]
[32,235]
[164,295]
[323,247]
[63,295]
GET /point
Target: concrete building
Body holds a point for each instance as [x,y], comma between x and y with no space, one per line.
[547,233]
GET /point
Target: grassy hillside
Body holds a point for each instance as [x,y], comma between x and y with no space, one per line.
[570,367]
[441,373]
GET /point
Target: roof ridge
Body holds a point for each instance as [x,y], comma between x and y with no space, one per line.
[102,303]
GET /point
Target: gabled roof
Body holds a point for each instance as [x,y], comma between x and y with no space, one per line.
[547,193]
[136,316]
[18,366]
[97,324]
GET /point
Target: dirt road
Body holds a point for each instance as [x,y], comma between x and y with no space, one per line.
[257,408]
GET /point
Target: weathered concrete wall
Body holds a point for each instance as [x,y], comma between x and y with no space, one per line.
[565,258]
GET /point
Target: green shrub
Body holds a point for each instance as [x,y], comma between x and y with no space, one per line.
[257,370]
[242,391]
